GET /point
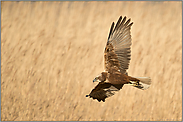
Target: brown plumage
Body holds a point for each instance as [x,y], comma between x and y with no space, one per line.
[117,59]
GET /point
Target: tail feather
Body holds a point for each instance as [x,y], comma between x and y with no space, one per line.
[143,83]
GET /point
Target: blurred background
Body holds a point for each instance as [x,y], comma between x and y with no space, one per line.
[52,51]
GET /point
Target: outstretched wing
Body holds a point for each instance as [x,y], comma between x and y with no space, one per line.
[104,90]
[117,51]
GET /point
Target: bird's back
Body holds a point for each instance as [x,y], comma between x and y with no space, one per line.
[116,77]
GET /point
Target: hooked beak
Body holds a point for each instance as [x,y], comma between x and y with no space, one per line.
[94,80]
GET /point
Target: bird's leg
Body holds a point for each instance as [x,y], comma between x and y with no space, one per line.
[134,83]
[130,83]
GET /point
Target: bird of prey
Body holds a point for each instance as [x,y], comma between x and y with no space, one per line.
[117,57]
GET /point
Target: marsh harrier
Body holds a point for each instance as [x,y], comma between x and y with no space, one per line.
[117,57]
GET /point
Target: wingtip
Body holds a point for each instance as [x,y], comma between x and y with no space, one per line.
[98,100]
[120,17]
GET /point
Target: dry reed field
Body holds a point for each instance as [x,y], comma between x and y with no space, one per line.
[52,51]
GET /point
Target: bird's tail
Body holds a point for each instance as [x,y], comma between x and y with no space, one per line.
[140,82]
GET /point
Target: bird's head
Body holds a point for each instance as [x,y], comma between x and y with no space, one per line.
[101,77]
[97,79]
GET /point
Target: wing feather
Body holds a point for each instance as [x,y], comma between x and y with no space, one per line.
[104,90]
[112,26]
[118,23]
[117,52]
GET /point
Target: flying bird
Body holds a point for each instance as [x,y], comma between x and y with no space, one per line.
[117,58]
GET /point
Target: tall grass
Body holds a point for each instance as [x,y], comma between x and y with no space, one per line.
[51,51]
